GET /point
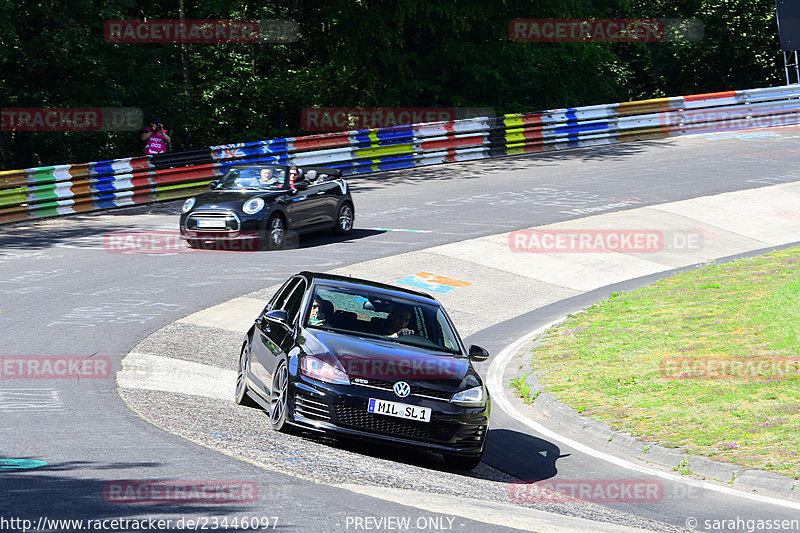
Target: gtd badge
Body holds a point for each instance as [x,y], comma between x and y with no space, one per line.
[402,389]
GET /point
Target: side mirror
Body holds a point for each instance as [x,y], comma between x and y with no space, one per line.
[278,315]
[301,185]
[476,353]
[213,184]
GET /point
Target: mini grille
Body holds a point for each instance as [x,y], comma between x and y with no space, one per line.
[361,419]
[231,220]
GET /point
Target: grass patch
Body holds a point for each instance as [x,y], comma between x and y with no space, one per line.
[706,361]
[523,389]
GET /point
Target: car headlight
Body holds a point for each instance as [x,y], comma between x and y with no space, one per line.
[253,206]
[188,204]
[473,397]
[318,369]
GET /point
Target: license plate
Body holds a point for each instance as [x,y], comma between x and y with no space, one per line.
[210,223]
[399,410]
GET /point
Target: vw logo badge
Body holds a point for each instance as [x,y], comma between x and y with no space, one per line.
[402,389]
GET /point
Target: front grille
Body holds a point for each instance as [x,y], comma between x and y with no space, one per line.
[228,217]
[409,429]
[311,409]
[415,390]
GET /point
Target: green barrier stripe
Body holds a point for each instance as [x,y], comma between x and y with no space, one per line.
[13,196]
[382,151]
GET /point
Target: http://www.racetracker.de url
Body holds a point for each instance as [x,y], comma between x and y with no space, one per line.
[196,523]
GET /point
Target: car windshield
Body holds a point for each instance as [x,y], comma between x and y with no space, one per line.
[366,312]
[252,178]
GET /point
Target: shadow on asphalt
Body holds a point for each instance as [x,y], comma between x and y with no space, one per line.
[47,493]
[94,233]
[524,457]
[485,167]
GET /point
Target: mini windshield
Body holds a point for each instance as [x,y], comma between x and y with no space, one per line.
[253,178]
[366,312]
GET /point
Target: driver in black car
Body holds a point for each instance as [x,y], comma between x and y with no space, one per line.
[265,176]
[397,323]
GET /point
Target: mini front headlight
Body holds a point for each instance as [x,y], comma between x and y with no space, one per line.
[253,206]
[469,398]
[188,204]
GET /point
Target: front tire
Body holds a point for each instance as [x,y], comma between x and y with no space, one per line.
[242,398]
[275,234]
[194,243]
[344,219]
[278,398]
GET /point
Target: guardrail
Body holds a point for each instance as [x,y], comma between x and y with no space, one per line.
[66,189]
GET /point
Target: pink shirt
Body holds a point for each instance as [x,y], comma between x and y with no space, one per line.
[156,144]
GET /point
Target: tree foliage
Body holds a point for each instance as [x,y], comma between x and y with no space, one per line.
[366,53]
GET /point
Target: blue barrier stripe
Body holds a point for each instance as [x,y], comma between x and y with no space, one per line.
[103,184]
[572,114]
[578,128]
[102,167]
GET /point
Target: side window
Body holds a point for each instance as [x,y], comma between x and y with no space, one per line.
[277,301]
[292,305]
[446,332]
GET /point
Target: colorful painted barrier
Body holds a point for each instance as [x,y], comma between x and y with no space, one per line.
[67,189]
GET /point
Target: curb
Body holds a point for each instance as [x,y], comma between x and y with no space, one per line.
[603,435]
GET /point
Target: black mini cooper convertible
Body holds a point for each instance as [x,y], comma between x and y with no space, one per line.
[364,359]
[254,206]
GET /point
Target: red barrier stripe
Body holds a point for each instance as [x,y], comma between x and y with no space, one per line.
[141,180]
[475,140]
[709,96]
[140,163]
[313,142]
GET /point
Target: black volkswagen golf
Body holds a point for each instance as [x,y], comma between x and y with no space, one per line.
[366,359]
[254,206]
